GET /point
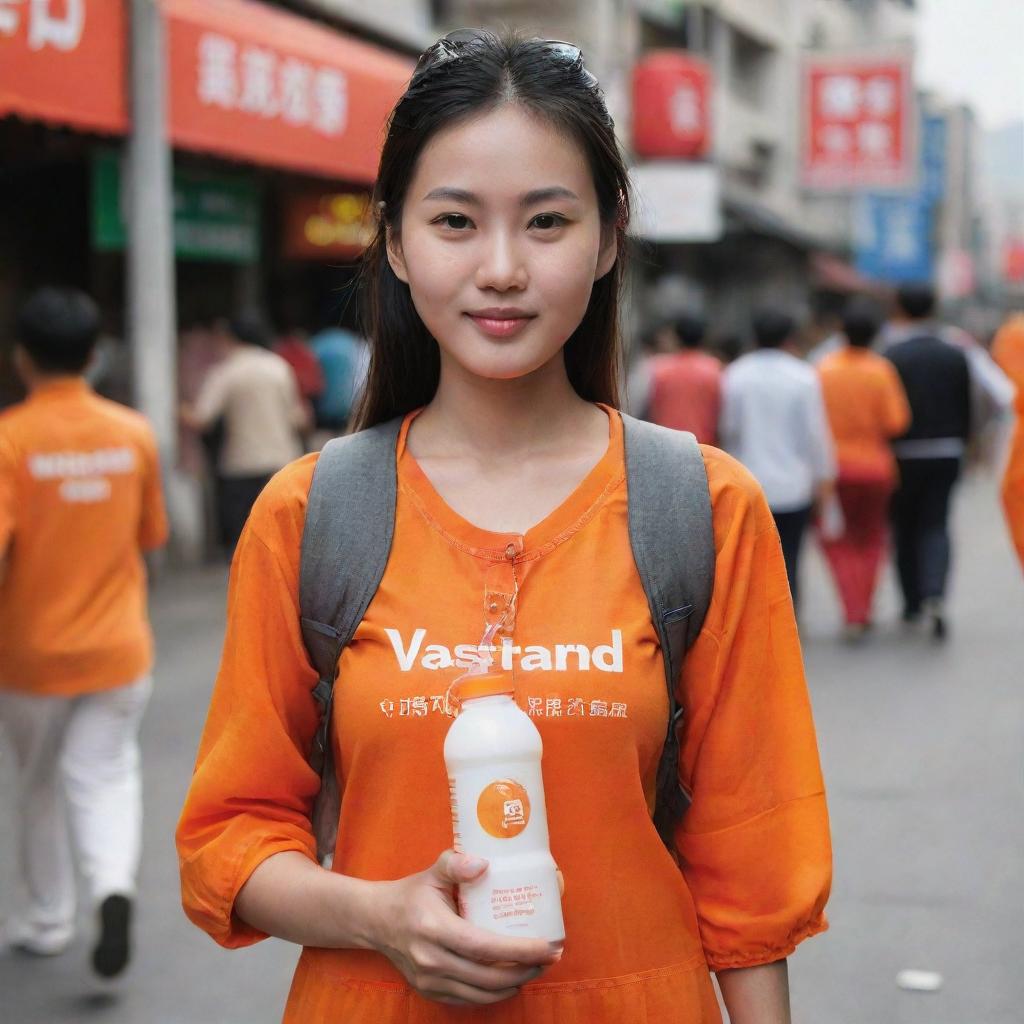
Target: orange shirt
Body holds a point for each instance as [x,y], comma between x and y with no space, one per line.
[1008,349]
[80,496]
[686,393]
[641,932]
[866,407]
[1013,482]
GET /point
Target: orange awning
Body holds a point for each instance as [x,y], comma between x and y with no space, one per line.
[250,82]
[65,62]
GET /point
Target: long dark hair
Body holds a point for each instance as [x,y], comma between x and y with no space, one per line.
[488,71]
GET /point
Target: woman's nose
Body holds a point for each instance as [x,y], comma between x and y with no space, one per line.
[502,266]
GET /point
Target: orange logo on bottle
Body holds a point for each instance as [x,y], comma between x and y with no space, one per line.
[503,809]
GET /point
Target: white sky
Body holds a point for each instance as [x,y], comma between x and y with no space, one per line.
[973,51]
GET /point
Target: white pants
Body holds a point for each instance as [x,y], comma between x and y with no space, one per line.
[78,758]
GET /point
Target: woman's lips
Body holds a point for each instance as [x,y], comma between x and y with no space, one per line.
[500,327]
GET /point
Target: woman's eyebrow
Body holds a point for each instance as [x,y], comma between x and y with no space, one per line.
[538,195]
[453,195]
[544,195]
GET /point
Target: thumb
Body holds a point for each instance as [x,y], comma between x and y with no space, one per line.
[451,868]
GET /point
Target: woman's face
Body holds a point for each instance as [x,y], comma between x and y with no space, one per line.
[501,242]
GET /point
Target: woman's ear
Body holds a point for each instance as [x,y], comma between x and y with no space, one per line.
[609,252]
[393,246]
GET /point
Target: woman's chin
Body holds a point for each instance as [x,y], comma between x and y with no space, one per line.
[508,364]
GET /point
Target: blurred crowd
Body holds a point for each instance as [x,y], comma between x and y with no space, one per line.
[859,438]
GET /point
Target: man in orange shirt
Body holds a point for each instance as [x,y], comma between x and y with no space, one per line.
[80,499]
[686,385]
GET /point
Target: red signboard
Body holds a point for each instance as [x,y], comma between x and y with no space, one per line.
[671,105]
[254,83]
[331,226]
[858,122]
[64,61]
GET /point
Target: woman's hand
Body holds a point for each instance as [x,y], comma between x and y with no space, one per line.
[443,957]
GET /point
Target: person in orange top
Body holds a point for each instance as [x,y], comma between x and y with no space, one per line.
[1008,352]
[866,407]
[80,499]
[495,278]
[1008,349]
[1013,482]
[686,385]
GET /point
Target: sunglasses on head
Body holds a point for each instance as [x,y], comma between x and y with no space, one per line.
[452,46]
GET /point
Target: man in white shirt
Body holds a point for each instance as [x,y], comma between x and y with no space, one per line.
[773,421]
[254,393]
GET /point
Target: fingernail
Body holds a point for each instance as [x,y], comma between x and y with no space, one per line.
[475,864]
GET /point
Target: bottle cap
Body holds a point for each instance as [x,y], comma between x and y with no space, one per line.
[490,684]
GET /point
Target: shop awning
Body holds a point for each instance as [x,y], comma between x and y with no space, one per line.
[253,83]
[835,275]
[65,63]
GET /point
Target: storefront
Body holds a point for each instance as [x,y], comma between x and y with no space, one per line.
[275,121]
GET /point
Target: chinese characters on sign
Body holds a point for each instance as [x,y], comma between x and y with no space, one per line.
[256,80]
[50,23]
[857,122]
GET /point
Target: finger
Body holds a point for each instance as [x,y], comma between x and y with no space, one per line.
[452,868]
[456,993]
[488,977]
[472,943]
[561,882]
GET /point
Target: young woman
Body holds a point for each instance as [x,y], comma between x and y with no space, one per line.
[493,300]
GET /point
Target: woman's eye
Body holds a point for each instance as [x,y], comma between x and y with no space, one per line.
[455,221]
[547,221]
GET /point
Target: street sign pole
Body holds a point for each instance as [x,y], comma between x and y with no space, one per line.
[150,255]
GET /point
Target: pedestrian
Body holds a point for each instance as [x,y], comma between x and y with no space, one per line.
[255,395]
[1008,349]
[655,340]
[494,290]
[344,359]
[1008,352]
[80,500]
[866,408]
[294,348]
[1013,482]
[936,377]
[774,422]
[686,384]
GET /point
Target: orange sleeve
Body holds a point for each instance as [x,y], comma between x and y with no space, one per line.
[252,791]
[153,527]
[754,845]
[8,466]
[1013,486]
[897,408]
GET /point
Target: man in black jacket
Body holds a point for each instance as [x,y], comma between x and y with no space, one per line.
[936,377]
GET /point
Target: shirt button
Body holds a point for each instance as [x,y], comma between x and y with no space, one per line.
[493,606]
[510,551]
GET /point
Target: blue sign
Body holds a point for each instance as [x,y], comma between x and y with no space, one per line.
[893,237]
[933,156]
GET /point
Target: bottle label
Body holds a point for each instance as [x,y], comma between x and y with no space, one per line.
[503,809]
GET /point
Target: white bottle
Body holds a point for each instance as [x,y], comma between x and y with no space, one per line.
[493,754]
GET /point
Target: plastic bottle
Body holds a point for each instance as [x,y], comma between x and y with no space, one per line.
[493,754]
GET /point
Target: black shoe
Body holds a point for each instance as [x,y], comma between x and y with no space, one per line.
[936,619]
[113,948]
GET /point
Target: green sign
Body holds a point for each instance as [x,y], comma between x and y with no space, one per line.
[216,216]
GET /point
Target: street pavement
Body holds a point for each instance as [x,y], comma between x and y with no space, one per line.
[922,747]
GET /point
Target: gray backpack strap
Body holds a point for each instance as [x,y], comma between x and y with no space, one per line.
[346,541]
[673,542]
